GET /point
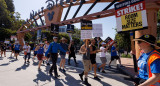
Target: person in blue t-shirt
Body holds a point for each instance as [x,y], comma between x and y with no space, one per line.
[148,62]
[114,54]
[17,49]
[40,51]
[53,49]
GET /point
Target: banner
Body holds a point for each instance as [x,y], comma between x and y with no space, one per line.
[97,30]
[109,41]
[131,15]
[86,29]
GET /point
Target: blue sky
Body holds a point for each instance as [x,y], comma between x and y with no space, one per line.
[24,7]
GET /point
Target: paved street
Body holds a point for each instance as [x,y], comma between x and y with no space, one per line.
[16,73]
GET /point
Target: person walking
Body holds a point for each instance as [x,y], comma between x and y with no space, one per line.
[12,49]
[148,62]
[28,56]
[17,50]
[114,54]
[3,49]
[72,49]
[103,57]
[93,51]
[40,51]
[46,46]
[53,49]
[35,51]
[85,50]
[63,54]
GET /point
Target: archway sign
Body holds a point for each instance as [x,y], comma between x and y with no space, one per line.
[53,14]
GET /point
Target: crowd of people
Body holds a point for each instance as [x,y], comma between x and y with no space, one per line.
[148,62]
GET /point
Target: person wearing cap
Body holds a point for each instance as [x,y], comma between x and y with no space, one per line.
[85,50]
[40,51]
[114,55]
[17,49]
[103,57]
[53,49]
[148,62]
[62,54]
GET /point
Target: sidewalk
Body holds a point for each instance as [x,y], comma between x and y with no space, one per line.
[16,73]
[128,67]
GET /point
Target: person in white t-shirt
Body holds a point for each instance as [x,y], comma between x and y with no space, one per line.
[103,57]
[28,55]
[46,46]
[25,50]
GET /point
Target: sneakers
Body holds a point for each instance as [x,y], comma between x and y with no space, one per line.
[28,61]
[48,64]
[60,69]
[86,82]
[96,78]
[50,73]
[56,76]
[39,69]
[103,71]
[64,70]
[81,76]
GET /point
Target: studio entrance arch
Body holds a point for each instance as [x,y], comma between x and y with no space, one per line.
[53,14]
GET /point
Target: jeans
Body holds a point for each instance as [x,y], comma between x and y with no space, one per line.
[54,57]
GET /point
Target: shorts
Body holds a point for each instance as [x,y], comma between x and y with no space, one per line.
[87,65]
[40,56]
[93,60]
[63,56]
[3,49]
[48,55]
[103,60]
[114,57]
[35,53]
[17,51]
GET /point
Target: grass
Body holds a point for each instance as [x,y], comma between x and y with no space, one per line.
[126,56]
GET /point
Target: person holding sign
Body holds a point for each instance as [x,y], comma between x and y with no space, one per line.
[103,57]
[85,50]
[93,51]
[114,54]
[148,62]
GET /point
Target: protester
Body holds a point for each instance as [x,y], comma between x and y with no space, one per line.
[148,62]
[35,51]
[103,57]
[45,49]
[12,49]
[114,54]
[63,54]
[17,49]
[85,50]
[40,51]
[3,49]
[72,49]
[53,49]
[25,51]
[93,51]
[28,53]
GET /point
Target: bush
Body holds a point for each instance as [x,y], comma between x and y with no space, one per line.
[126,56]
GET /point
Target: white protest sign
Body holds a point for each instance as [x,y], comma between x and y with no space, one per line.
[97,30]
[86,34]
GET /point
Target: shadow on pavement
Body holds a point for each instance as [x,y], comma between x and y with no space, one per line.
[5,64]
[1,58]
[23,67]
[41,76]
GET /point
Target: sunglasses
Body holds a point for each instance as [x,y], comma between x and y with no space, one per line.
[139,42]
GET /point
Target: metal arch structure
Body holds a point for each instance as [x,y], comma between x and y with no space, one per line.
[58,14]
